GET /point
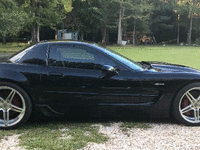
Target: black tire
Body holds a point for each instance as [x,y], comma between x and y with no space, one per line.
[15,106]
[186,105]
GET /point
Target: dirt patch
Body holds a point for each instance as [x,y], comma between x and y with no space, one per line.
[10,143]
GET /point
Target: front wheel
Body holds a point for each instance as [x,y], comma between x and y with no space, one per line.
[15,106]
[187,104]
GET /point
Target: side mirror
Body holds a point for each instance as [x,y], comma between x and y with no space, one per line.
[108,71]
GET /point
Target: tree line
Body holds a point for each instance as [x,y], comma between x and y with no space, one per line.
[104,20]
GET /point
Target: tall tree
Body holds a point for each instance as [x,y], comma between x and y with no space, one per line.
[163,20]
[119,38]
[177,10]
[192,7]
[45,13]
[138,16]
[109,17]
[86,17]
[12,19]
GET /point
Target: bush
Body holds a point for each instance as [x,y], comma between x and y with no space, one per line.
[197,41]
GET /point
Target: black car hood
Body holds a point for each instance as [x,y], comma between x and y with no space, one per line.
[167,67]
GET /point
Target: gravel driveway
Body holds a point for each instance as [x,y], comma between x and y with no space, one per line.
[161,136]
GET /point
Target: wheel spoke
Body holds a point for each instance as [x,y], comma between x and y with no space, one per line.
[186,109]
[10,96]
[16,109]
[198,97]
[196,115]
[1,100]
[190,97]
[6,117]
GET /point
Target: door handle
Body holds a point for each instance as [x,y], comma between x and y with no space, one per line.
[55,74]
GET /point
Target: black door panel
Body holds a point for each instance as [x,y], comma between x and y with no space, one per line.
[69,87]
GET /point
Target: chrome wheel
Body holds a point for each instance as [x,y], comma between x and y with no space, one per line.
[189,105]
[12,106]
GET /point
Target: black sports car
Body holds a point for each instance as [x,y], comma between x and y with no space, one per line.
[54,77]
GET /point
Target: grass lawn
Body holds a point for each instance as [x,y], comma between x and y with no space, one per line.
[184,55]
[74,135]
[56,135]
[12,47]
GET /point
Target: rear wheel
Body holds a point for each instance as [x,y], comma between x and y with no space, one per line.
[187,104]
[15,106]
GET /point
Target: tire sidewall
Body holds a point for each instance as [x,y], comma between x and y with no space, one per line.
[27,100]
[176,102]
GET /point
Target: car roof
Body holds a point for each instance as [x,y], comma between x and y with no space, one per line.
[67,42]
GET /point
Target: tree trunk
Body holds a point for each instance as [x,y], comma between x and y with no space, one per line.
[107,38]
[82,35]
[119,39]
[38,33]
[56,35]
[134,31]
[189,36]
[63,34]
[4,40]
[190,30]
[124,26]
[103,32]
[178,31]
[33,39]
[35,33]
[63,31]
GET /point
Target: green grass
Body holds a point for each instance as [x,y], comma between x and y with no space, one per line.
[185,55]
[56,135]
[11,47]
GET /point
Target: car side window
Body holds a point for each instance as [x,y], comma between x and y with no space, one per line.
[33,55]
[77,56]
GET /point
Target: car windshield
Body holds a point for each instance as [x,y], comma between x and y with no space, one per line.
[132,64]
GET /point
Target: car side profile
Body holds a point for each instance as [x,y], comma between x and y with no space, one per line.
[56,77]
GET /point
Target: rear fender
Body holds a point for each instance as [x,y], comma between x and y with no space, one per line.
[12,75]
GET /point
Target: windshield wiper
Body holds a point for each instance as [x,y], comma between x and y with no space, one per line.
[146,64]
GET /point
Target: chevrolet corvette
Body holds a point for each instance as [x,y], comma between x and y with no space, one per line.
[55,77]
